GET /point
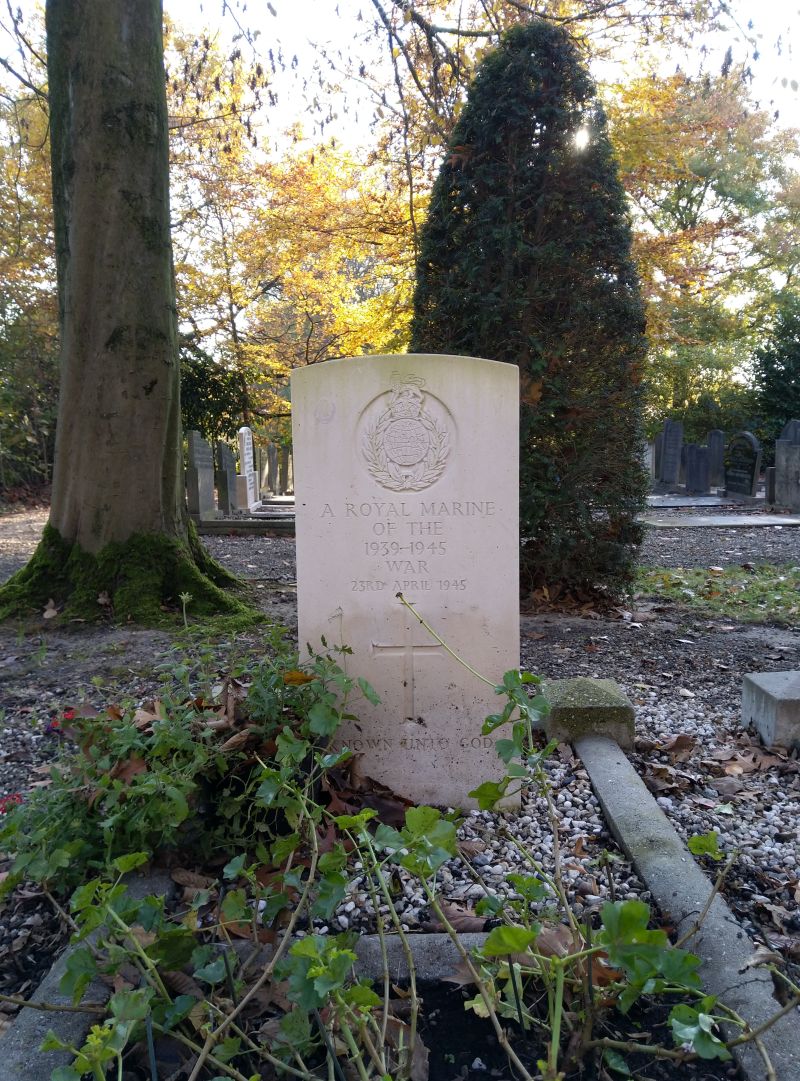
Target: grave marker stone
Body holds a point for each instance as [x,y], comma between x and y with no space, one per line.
[787,474]
[658,448]
[742,465]
[200,479]
[283,470]
[716,457]
[247,497]
[697,470]
[392,499]
[791,431]
[225,479]
[671,453]
[769,485]
[272,468]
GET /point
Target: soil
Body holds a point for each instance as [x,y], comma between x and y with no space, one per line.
[682,672]
[464,1047]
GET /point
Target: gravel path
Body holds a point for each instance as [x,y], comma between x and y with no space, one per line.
[683,674]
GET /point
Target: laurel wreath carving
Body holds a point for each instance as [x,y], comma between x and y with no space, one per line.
[406,479]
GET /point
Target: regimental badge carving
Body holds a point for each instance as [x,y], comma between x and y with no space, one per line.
[406,448]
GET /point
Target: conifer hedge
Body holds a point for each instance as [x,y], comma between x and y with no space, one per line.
[526,258]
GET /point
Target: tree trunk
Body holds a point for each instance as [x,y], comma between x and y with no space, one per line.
[118,539]
[118,468]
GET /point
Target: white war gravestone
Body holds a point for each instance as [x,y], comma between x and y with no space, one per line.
[247,497]
[406,471]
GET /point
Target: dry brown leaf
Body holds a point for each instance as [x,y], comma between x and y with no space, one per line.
[460,976]
[762,956]
[143,719]
[237,741]
[182,984]
[471,847]
[398,1038]
[144,938]
[555,940]
[534,636]
[191,879]
[461,917]
[726,786]
[680,747]
[127,770]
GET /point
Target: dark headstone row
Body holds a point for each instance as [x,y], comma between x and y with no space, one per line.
[696,470]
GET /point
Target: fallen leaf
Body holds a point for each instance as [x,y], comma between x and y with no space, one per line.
[237,741]
[762,956]
[191,879]
[50,609]
[461,918]
[460,976]
[127,770]
[555,940]
[471,847]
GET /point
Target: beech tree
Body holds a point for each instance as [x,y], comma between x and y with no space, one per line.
[118,530]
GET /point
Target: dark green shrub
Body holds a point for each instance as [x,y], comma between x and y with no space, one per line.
[525,258]
[776,369]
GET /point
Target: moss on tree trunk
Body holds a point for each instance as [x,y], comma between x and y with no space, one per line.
[132,580]
[118,523]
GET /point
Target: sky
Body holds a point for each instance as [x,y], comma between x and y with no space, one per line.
[297,23]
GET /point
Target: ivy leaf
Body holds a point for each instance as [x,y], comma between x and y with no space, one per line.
[705,844]
[128,863]
[504,940]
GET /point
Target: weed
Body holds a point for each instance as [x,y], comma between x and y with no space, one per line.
[753,594]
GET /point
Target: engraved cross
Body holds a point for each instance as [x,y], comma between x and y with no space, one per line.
[408,650]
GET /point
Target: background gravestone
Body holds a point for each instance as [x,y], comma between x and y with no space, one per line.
[787,466]
[393,499]
[787,474]
[225,478]
[716,457]
[671,446]
[742,465]
[697,470]
[247,497]
[658,450]
[791,431]
[200,478]
[272,468]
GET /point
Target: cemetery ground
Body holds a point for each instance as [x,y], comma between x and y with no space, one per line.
[679,652]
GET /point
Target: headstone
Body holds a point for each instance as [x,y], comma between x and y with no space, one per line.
[742,465]
[225,479]
[791,431]
[716,457]
[671,453]
[697,470]
[769,486]
[283,470]
[787,474]
[247,497]
[771,704]
[200,478]
[394,500]
[272,468]
[659,451]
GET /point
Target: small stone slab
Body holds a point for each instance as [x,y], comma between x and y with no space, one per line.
[771,704]
[583,706]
